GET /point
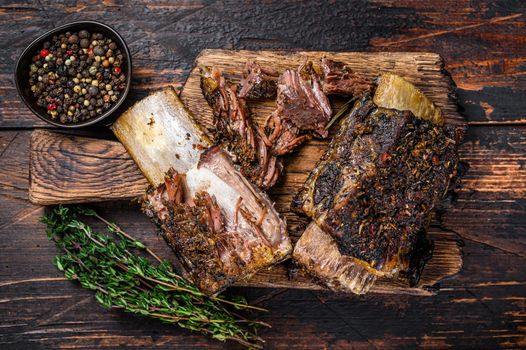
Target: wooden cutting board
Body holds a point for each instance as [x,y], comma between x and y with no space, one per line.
[72,169]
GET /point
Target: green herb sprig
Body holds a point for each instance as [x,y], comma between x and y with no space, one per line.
[127,281]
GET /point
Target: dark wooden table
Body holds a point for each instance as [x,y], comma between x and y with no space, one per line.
[484,46]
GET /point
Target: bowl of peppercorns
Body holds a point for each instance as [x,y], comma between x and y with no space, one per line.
[75,75]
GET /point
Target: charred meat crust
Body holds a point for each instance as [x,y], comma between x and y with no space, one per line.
[192,227]
[375,187]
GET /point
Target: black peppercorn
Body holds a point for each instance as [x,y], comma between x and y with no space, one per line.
[73,39]
[93,91]
[84,43]
[99,51]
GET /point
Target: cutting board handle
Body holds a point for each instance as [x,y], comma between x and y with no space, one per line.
[74,169]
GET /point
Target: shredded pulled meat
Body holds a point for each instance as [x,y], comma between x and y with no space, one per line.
[338,79]
[236,132]
[258,83]
[302,101]
[303,111]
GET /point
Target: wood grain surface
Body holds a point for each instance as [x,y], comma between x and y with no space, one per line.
[483,46]
[70,169]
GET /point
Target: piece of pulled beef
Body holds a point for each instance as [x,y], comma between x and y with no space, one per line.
[303,110]
[236,133]
[339,79]
[258,83]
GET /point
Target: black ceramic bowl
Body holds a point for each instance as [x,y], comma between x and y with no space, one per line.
[25,60]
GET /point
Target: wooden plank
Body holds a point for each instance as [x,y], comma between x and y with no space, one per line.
[80,169]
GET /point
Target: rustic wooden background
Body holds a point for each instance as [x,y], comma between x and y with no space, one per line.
[484,46]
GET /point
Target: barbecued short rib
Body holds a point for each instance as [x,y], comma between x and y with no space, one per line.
[371,195]
[221,227]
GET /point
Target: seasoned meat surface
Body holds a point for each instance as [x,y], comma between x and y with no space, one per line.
[220,226]
[193,227]
[374,188]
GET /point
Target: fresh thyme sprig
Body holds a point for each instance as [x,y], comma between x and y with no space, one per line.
[127,281]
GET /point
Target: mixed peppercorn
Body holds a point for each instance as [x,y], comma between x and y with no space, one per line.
[77,76]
